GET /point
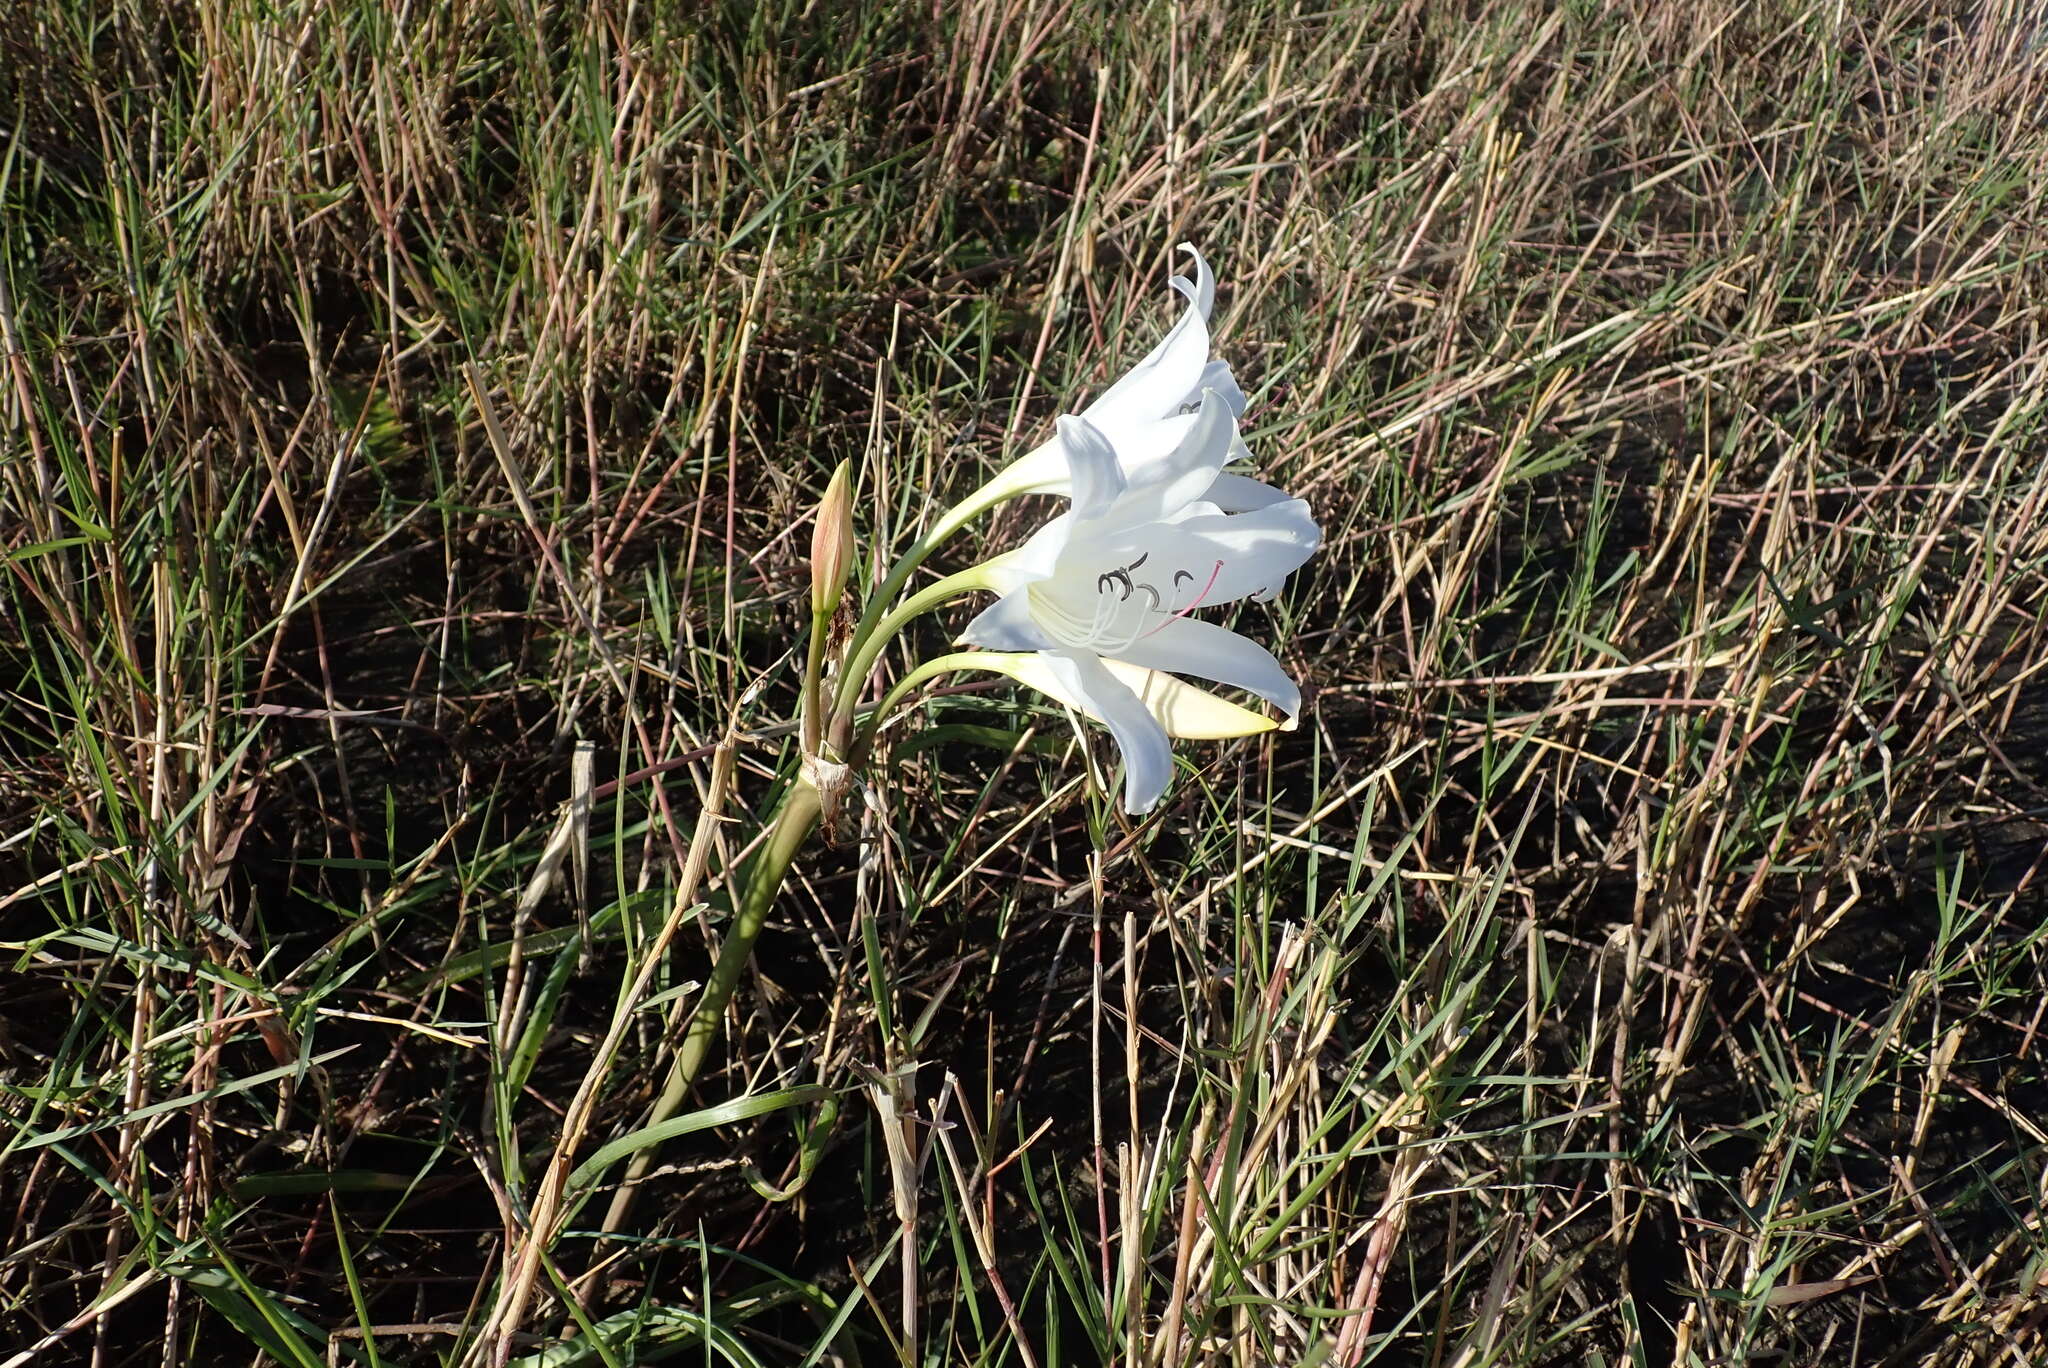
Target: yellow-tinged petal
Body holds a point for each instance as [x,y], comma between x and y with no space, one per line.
[1185,710]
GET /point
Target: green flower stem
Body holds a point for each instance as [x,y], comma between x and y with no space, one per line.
[865,652]
[814,667]
[958,660]
[954,518]
[793,826]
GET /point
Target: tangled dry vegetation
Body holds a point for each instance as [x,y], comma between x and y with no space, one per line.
[1635,958]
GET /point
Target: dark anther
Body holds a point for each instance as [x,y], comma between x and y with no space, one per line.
[1178,576]
[1121,576]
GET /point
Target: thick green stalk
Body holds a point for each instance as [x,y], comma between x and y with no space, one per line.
[793,826]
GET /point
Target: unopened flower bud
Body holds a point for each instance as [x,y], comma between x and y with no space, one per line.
[832,543]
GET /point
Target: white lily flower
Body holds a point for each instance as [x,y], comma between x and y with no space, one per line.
[1109,586]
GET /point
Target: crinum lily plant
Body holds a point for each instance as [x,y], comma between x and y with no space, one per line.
[1096,610]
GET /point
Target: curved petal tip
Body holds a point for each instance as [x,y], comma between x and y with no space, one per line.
[1202,290]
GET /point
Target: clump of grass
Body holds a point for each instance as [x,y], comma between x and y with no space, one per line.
[1634,958]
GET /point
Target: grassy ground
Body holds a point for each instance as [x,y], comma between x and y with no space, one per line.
[1636,957]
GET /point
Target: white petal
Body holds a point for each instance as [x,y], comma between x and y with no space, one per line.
[1142,444]
[1035,560]
[1192,647]
[1237,494]
[1148,756]
[1097,479]
[1202,557]
[1155,391]
[1163,487]
[1203,291]
[1258,550]
[1216,376]
[1139,445]
[1006,625]
[1170,373]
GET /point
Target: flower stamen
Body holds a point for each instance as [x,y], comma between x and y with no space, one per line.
[1098,631]
[1213,574]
